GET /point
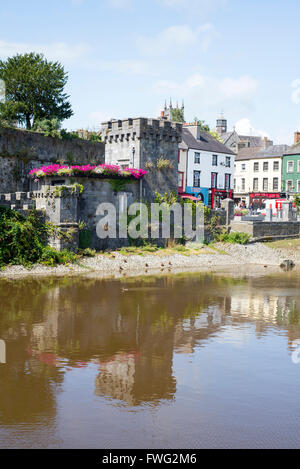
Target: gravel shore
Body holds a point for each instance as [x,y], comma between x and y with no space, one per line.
[221,256]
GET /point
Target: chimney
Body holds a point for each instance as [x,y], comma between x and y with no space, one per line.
[297,137]
[194,128]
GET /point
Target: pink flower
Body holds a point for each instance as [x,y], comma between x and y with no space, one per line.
[102,169]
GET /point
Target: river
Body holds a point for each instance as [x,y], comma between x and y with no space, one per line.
[178,361]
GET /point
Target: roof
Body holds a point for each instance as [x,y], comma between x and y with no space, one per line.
[272,151]
[206,143]
[293,150]
[247,153]
[255,141]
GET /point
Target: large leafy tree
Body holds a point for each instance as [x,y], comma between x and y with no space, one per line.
[34,89]
[177,115]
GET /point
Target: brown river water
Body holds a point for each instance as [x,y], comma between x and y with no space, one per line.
[188,361]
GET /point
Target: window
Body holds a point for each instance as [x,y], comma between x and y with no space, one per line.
[266,166]
[234,184]
[227,181]
[215,160]
[228,162]
[197,158]
[276,166]
[298,166]
[290,166]
[256,167]
[289,186]
[275,184]
[197,178]
[243,184]
[178,156]
[214,180]
[265,184]
[244,167]
[255,184]
[298,186]
[180,180]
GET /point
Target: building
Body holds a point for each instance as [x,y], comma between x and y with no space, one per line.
[205,166]
[143,143]
[257,174]
[291,168]
[236,142]
[168,111]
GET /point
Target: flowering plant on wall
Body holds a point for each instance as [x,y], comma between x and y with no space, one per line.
[102,170]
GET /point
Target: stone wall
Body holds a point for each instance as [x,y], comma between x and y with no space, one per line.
[260,230]
[21,151]
[72,205]
[140,143]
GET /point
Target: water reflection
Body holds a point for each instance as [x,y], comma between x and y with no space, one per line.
[129,331]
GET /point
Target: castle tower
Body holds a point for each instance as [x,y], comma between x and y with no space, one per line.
[221,125]
[168,110]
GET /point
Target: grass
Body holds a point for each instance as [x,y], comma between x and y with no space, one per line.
[284,244]
[189,250]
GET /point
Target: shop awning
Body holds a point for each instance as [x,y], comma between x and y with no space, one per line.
[189,196]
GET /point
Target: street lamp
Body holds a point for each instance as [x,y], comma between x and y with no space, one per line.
[132,160]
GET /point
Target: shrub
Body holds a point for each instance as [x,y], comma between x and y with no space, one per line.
[234,237]
[23,241]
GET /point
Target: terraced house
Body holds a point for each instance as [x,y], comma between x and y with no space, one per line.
[205,167]
[258,174]
[291,168]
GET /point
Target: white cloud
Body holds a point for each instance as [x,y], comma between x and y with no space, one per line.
[55,51]
[296,93]
[209,89]
[177,38]
[238,87]
[244,127]
[78,52]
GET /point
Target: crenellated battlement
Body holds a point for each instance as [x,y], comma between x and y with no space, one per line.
[20,201]
[140,128]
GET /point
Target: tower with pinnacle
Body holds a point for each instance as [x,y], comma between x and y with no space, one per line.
[168,110]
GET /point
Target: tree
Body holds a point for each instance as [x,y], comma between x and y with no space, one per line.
[205,127]
[177,115]
[202,124]
[34,89]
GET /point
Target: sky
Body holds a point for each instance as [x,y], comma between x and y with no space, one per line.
[125,57]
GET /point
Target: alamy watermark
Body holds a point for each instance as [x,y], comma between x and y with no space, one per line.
[150,221]
[2,91]
[2,351]
[296,353]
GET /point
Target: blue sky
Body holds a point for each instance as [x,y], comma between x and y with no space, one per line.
[124,57]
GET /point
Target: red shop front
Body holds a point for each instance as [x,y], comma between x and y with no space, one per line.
[216,195]
[256,198]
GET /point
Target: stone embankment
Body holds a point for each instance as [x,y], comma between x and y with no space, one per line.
[235,258]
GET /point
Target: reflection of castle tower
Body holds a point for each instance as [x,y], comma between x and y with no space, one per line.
[168,111]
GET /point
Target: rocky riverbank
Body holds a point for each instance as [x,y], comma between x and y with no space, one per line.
[234,257]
